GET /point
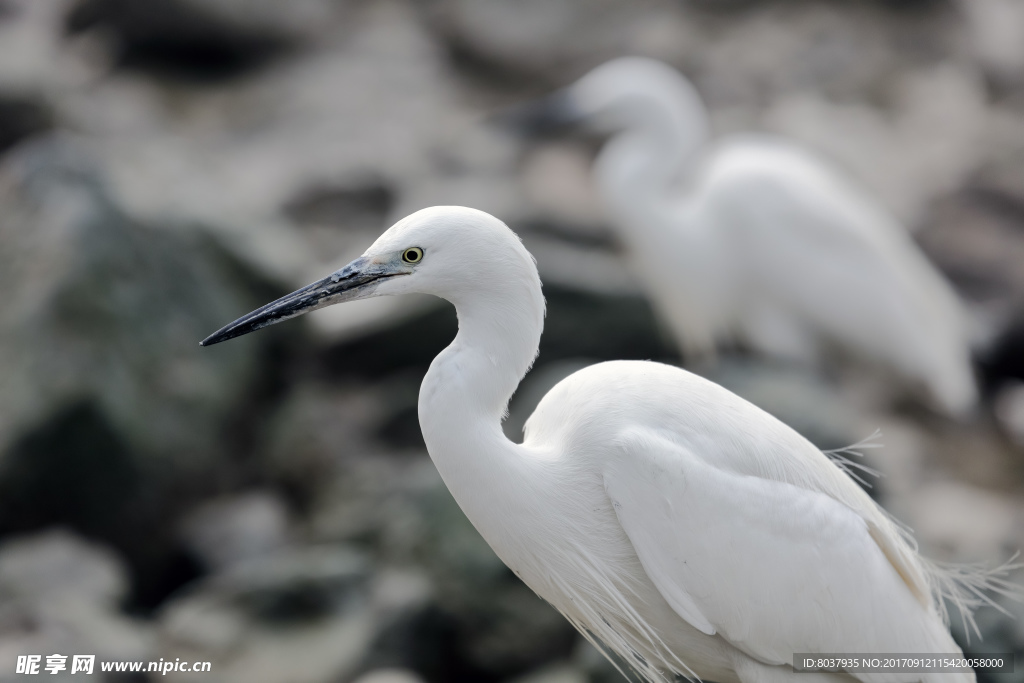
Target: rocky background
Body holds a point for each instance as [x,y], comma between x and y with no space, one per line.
[267,505]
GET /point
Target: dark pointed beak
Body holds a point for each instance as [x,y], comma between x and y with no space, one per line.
[540,118]
[354,281]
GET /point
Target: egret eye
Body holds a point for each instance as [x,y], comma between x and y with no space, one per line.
[412,255]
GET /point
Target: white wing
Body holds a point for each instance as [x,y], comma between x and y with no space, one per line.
[812,249]
[773,568]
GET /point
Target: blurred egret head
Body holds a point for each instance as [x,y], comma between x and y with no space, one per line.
[629,93]
[443,250]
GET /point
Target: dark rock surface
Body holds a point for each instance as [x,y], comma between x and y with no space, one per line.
[109,415]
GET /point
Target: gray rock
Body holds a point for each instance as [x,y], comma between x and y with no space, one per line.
[514,42]
[319,439]
[34,58]
[478,619]
[964,521]
[226,531]
[997,37]
[59,567]
[60,594]
[302,615]
[974,235]
[598,667]
[103,309]
[462,610]
[109,409]
[1008,408]
[389,676]
[21,116]
[556,673]
[934,132]
[201,39]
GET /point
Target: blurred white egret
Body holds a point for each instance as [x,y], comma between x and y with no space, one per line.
[756,240]
[682,527]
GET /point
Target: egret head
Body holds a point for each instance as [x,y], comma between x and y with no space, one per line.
[627,93]
[452,252]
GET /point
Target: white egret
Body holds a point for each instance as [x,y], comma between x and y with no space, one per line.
[754,240]
[678,525]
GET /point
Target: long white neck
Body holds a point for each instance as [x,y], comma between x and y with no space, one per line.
[639,165]
[464,395]
[640,174]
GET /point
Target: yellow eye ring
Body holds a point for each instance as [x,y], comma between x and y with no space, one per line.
[412,255]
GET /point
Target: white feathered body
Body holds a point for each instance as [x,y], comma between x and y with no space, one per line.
[684,528]
[738,541]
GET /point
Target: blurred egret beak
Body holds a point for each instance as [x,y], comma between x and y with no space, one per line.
[355,281]
[545,116]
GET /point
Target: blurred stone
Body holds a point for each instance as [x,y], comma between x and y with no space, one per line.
[397,590]
[389,676]
[102,307]
[557,673]
[617,325]
[317,434]
[290,585]
[362,207]
[481,620]
[61,594]
[844,51]
[937,132]
[556,178]
[966,522]
[445,614]
[974,235]
[202,39]
[926,451]
[997,33]
[58,567]
[573,264]
[75,470]
[597,667]
[1008,407]
[510,630]
[1002,180]
[532,37]
[21,117]
[34,57]
[300,615]
[401,509]
[224,532]
[466,614]
[448,641]
[1002,363]
[107,404]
